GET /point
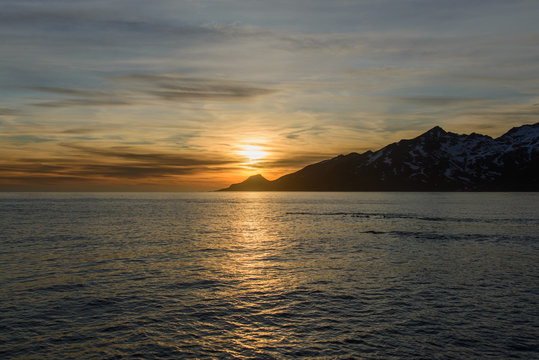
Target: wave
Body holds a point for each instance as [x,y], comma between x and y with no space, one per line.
[372,215]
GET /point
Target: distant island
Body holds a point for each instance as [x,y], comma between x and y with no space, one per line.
[434,161]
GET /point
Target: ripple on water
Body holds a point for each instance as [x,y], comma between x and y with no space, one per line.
[270,276]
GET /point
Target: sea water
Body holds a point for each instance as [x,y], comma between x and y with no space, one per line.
[269,275]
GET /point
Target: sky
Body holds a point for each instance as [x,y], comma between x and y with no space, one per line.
[169,95]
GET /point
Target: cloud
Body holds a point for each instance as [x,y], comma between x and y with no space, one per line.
[79,131]
[331,43]
[440,101]
[145,88]
[70,92]
[32,166]
[25,139]
[313,130]
[8,112]
[146,158]
[86,164]
[83,102]
[83,164]
[85,28]
[81,97]
[504,114]
[179,87]
[132,171]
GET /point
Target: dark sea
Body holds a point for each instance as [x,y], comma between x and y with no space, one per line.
[269,275]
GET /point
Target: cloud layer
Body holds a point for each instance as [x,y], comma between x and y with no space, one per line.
[167,92]
[141,89]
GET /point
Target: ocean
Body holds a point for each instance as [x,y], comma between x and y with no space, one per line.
[275,275]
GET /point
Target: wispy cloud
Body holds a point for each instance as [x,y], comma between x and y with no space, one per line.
[142,89]
[150,158]
[81,97]
[24,139]
[8,112]
[179,87]
[92,102]
[108,32]
[85,164]
[312,130]
[441,101]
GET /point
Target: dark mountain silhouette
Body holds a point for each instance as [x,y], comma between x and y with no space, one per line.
[434,161]
[253,183]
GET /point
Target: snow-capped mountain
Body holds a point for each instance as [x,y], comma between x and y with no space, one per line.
[434,161]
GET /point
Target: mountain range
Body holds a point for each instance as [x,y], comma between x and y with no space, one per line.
[434,161]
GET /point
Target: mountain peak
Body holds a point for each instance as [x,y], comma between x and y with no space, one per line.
[435,132]
[522,130]
[256,177]
[253,183]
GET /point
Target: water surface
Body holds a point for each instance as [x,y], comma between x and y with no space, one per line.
[269,275]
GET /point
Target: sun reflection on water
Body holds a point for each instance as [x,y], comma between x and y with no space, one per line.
[256,261]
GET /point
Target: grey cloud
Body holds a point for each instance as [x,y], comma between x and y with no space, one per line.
[210,93]
[161,87]
[25,139]
[518,75]
[339,42]
[70,92]
[79,131]
[150,158]
[83,102]
[133,171]
[525,112]
[82,97]
[440,100]
[314,130]
[36,180]
[100,21]
[8,112]
[32,166]
[103,20]
[178,87]
[25,16]
[81,28]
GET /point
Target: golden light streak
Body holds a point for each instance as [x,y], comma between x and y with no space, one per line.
[252,153]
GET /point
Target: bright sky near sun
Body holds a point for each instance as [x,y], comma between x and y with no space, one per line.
[253,153]
[195,95]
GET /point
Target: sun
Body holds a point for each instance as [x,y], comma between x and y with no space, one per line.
[252,152]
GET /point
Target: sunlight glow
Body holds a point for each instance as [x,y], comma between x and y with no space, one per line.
[252,152]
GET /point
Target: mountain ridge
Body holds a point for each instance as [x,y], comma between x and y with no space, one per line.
[436,160]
